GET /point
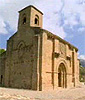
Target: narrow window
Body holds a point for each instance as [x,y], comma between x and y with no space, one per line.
[24,20]
[37,20]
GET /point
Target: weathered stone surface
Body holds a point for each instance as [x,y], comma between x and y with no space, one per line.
[37,59]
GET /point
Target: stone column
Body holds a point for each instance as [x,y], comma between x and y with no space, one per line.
[57,46]
[78,70]
[67,50]
[56,50]
[35,73]
[76,65]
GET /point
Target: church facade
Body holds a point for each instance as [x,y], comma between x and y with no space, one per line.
[36,59]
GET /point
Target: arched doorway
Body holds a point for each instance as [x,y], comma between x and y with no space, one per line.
[62,77]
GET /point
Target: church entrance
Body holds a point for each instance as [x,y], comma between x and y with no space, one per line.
[62,78]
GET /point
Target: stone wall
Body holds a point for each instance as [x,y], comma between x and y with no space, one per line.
[34,56]
[55,52]
[20,63]
[2,68]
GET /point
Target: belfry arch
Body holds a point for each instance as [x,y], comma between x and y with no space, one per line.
[62,76]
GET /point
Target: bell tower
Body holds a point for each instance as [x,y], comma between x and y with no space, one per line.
[30,17]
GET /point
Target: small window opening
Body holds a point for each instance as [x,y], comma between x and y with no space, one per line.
[37,20]
[24,20]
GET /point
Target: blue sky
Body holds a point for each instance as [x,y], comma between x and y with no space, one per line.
[65,18]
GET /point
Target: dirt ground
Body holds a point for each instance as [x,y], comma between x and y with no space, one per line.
[61,94]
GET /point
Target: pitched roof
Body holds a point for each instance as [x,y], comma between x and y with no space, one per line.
[38,29]
[32,7]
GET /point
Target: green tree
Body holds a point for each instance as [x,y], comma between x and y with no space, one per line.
[82,73]
[1,51]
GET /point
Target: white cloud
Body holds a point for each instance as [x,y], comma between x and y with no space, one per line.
[56,30]
[9,11]
[71,20]
[57,14]
[50,17]
[52,10]
[60,32]
[2,27]
[82,57]
[72,8]
[82,29]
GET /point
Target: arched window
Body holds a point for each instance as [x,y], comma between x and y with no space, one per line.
[36,19]
[24,19]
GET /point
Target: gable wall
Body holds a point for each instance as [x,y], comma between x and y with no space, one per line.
[20,60]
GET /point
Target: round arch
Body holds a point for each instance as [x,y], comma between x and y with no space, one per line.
[62,73]
[61,61]
[36,19]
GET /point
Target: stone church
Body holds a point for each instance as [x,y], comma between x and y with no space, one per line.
[37,59]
